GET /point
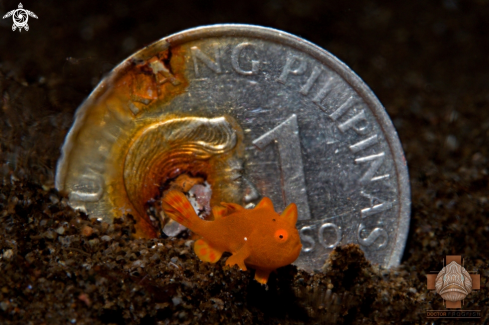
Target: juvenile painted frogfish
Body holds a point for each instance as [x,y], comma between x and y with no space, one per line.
[258,238]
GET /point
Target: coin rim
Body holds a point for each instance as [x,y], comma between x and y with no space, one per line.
[281,37]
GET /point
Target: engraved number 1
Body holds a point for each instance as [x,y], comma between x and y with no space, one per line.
[286,137]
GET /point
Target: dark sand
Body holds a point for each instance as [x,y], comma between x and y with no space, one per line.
[427,61]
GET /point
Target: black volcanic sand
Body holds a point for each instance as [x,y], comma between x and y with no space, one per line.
[427,61]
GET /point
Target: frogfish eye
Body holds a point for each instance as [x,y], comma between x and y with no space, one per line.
[281,235]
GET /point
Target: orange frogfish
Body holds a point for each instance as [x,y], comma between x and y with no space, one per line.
[258,238]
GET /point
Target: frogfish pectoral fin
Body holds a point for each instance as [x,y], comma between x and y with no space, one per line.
[261,276]
[205,252]
[238,258]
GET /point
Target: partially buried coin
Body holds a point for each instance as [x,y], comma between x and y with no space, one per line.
[234,113]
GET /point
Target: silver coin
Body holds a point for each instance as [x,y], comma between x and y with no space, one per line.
[253,112]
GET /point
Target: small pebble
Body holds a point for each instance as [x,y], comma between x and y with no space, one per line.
[65,240]
[94,242]
[54,198]
[182,315]
[138,263]
[30,258]
[84,297]
[4,305]
[8,254]
[50,234]
[218,302]
[87,231]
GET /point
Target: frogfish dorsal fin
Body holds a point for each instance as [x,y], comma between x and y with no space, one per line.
[265,203]
[232,207]
[290,214]
[205,252]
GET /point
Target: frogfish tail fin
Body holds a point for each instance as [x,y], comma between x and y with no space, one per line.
[176,206]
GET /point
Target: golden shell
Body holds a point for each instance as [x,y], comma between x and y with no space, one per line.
[129,140]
